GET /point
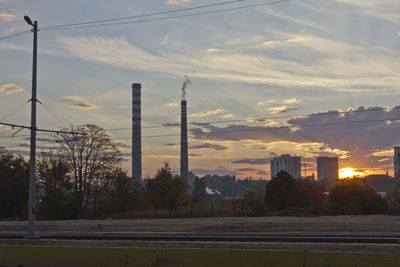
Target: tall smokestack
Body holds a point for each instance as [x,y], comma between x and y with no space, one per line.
[136,132]
[184,142]
[184,139]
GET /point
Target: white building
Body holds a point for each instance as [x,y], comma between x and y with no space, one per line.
[396,161]
[328,170]
[285,162]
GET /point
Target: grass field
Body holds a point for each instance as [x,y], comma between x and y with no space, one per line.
[231,224]
[393,248]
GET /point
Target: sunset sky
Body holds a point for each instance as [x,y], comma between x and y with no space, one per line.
[302,57]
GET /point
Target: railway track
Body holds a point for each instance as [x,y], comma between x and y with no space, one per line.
[303,238]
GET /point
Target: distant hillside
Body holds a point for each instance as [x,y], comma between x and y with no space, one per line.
[380,183]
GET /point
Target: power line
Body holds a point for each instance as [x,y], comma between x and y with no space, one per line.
[90,24]
[39,130]
[257,129]
[164,18]
[3,38]
[250,119]
[20,136]
[12,112]
[3,131]
[143,15]
[275,128]
[56,115]
[262,128]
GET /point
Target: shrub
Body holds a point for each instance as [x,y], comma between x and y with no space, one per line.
[353,197]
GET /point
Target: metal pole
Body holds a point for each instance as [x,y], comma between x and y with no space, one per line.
[31,206]
[234,205]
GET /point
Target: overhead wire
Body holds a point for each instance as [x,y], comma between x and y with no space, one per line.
[94,23]
[40,129]
[13,111]
[250,119]
[61,119]
[276,128]
[346,123]
[3,38]
[144,15]
[4,131]
[164,18]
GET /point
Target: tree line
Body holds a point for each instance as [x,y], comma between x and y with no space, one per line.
[82,177]
[285,195]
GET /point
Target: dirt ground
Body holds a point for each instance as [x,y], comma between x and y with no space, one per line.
[230,224]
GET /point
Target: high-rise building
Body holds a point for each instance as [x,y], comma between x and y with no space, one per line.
[396,161]
[136,132]
[328,171]
[285,162]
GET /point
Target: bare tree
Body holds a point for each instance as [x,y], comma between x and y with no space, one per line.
[52,172]
[91,154]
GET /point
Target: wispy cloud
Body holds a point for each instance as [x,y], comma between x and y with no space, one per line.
[383,153]
[292,101]
[262,121]
[209,146]
[6,16]
[211,50]
[207,113]
[171,124]
[246,170]
[266,102]
[331,70]
[172,144]
[227,116]
[259,161]
[277,109]
[78,102]
[296,39]
[10,88]
[177,2]
[282,109]
[173,104]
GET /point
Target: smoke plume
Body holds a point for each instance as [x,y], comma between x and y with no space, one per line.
[185,86]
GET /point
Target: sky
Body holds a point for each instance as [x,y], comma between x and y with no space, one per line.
[270,72]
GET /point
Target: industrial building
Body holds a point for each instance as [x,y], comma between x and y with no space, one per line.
[285,162]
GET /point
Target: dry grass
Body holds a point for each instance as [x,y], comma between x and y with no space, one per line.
[237,224]
[211,245]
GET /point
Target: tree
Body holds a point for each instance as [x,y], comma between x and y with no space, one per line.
[14,177]
[313,191]
[52,175]
[251,204]
[166,191]
[283,191]
[119,192]
[90,153]
[354,197]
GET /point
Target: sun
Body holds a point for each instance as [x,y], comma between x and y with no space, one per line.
[349,173]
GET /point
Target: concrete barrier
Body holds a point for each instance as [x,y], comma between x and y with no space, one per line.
[38,256]
[351,259]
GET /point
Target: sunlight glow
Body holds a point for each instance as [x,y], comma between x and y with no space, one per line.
[349,173]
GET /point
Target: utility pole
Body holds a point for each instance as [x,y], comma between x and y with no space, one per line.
[32,161]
